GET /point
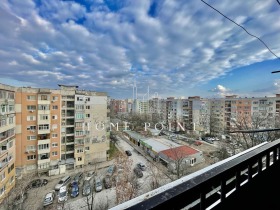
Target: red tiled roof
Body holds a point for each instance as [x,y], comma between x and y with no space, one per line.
[179,152]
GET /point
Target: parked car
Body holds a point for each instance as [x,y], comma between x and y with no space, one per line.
[37,183]
[77,178]
[86,187]
[197,143]
[128,153]
[89,175]
[141,166]
[49,198]
[98,185]
[111,170]
[138,172]
[64,181]
[107,182]
[62,194]
[74,189]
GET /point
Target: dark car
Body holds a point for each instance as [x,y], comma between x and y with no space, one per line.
[77,178]
[128,153]
[74,189]
[138,172]
[141,166]
[37,183]
[86,187]
[107,182]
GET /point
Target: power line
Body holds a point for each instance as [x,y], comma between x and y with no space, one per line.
[278,2]
[242,27]
[275,72]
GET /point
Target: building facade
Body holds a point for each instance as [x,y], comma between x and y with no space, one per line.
[7,140]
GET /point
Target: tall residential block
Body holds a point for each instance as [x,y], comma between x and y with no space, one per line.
[7,140]
[38,119]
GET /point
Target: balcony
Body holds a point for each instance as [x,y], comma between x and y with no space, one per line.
[247,180]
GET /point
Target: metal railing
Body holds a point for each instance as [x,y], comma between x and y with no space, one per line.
[213,185]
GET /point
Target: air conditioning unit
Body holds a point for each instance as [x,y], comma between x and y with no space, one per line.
[31,111]
[52,101]
[26,152]
[32,131]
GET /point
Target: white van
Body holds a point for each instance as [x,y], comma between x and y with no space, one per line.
[62,194]
[62,182]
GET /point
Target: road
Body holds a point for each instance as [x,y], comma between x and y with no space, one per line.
[110,194]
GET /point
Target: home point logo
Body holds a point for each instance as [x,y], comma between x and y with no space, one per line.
[100,126]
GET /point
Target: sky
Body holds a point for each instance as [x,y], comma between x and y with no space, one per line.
[176,48]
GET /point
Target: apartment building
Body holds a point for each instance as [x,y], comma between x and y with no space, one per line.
[118,106]
[7,140]
[38,129]
[83,131]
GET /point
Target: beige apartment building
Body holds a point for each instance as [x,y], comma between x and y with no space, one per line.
[7,140]
[84,123]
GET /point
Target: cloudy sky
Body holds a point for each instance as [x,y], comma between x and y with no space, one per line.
[177,48]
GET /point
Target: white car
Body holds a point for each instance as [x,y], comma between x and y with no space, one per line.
[62,195]
[49,198]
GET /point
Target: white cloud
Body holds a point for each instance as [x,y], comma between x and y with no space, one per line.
[183,45]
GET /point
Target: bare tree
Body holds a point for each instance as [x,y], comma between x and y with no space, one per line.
[16,198]
[127,186]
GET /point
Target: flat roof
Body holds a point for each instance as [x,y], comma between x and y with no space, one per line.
[160,144]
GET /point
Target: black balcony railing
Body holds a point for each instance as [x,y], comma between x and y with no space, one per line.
[244,181]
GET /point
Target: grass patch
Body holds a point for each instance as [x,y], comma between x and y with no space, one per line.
[113,150]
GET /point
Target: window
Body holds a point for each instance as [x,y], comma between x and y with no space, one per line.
[31,127]
[87,99]
[80,150]
[44,97]
[79,158]
[55,98]
[31,138]
[2,190]
[79,133]
[31,157]
[31,148]
[54,117]
[11,168]
[79,106]
[43,107]
[31,118]
[79,98]
[11,179]
[43,146]
[2,176]
[11,95]
[54,135]
[44,127]
[11,120]
[79,116]
[54,153]
[79,124]
[87,115]
[31,107]
[10,144]
[55,107]
[55,144]
[44,117]
[11,108]
[31,98]
[86,148]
